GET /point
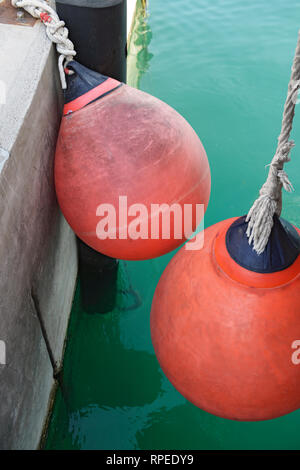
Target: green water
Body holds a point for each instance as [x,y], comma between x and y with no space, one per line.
[225,66]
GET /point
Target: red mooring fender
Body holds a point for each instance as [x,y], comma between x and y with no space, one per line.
[223,335]
[127,143]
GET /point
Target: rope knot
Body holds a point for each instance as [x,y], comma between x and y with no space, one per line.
[284,180]
[282,154]
[45,18]
[55,29]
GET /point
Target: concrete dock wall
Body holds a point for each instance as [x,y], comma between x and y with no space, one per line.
[38,256]
[37,248]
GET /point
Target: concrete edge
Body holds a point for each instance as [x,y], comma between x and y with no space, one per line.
[55,386]
[52,396]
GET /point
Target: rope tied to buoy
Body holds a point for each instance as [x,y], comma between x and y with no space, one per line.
[55,29]
[269,202]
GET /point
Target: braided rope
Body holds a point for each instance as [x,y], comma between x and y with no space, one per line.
[269,202]
[55,29]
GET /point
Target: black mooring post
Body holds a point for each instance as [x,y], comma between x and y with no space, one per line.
[98,30]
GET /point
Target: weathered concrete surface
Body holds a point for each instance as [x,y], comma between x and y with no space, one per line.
[37,248]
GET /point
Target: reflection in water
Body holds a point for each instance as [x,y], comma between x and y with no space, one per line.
[128,292]
[118,427]
[139,56]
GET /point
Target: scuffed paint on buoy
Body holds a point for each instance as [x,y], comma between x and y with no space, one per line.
[131,147]
[224,333]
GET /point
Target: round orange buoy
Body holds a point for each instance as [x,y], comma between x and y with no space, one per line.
[225,320]
[123,164]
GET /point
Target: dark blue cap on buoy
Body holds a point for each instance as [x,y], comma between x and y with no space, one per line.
[80,82]
[282,249]
[85,86]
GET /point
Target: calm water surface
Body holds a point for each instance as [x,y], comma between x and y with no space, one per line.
[224,65]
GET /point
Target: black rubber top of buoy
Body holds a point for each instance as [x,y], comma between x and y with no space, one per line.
[82,81]
[282,249]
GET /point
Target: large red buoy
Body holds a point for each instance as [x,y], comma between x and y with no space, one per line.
[123,158]
[225,320]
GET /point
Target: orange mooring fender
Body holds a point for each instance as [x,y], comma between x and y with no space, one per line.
[131,144]
[227,346]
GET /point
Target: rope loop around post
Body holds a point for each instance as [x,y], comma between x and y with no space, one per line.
[55,29]
[269,202]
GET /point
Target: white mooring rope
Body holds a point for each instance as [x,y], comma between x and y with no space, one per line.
[56,31]
[269,202]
